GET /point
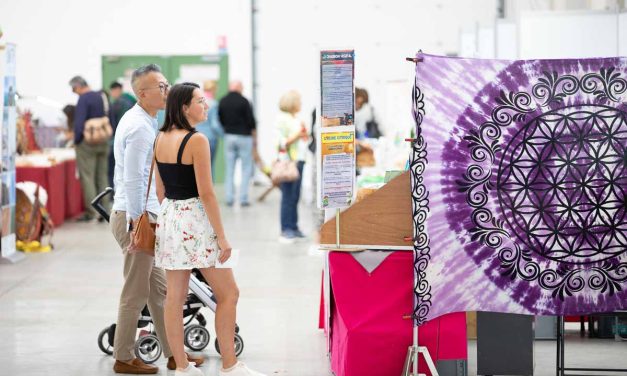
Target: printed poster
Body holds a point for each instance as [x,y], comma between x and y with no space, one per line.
[337,73]
[338,169]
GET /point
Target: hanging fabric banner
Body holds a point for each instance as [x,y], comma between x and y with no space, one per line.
[519,186]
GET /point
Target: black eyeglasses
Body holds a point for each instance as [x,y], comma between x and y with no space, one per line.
[163,87]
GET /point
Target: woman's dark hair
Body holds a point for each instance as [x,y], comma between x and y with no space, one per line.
[69,111]
[179,95]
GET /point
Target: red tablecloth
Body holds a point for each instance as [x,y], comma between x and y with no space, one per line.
[52,179]
[73,193]
[369,336]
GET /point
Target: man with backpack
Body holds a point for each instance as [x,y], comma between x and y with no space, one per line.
[92,131]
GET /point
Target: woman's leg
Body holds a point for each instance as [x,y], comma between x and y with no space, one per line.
[230,156]
[296,195]
[178,285]
[223,284]
[286,201]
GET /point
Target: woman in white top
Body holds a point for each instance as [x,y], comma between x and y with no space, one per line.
[293,142]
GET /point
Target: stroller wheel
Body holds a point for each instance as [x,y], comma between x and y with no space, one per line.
[148,348]
[196,337]
[239,345]
[104,342]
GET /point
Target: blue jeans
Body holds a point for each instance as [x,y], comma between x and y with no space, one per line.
[238,146]
[290,194]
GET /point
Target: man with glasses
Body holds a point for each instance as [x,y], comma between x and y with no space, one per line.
[143,282]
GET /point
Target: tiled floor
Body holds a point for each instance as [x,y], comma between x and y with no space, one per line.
[52,306]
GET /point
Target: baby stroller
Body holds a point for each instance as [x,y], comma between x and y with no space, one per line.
[196,336]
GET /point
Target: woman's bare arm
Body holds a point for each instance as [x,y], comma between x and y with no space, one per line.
[160,187]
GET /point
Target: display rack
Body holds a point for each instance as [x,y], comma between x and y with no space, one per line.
[8,151]
[561,356]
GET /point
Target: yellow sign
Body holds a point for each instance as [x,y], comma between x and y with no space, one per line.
[337,153]
[335,137]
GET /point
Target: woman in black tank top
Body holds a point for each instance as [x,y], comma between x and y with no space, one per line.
[189,229]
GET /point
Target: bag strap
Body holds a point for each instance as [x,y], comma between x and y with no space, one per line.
[105,103]
[286,151]
[152,168]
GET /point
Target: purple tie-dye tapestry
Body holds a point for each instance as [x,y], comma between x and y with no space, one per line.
[518,186]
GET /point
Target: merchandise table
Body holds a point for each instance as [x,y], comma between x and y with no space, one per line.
[55,171]
[73,192]
[52,179]
[369,327]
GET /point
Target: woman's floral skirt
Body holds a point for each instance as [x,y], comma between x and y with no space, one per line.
[185,238]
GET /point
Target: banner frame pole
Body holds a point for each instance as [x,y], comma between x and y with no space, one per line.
[415,349]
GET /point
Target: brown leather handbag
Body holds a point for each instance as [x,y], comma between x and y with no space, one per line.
[144,232]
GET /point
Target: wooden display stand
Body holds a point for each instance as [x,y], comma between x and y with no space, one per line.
[383,220]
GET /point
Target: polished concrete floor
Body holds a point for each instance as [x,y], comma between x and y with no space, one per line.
[52,306]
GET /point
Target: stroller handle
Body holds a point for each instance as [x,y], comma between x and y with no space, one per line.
[95,203]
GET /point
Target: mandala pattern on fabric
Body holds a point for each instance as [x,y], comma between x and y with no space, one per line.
[560,184]
[554,159]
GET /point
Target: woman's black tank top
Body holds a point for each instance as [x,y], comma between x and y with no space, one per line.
[178,178]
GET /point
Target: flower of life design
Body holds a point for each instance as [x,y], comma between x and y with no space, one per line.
[561,184]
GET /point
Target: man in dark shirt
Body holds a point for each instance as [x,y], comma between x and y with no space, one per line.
[120,103]
[240,134]
[91,160]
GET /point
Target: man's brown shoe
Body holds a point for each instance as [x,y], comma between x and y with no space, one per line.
[190,358]
[134,367]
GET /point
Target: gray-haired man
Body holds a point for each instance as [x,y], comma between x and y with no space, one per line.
[143,282]
[91,159]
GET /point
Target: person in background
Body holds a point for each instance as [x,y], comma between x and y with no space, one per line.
[121,102]
[240,138]
[293,139]
[365,122]
[91,160]
[211,128]
[67,137]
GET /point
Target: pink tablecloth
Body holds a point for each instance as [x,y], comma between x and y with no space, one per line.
[65,197]
[73,193]
[369,336]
